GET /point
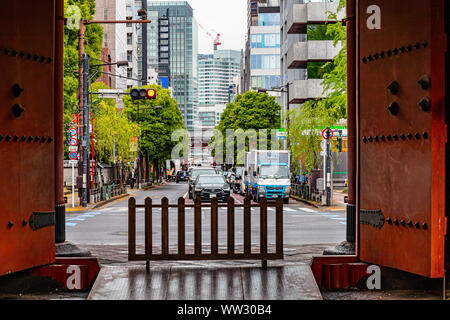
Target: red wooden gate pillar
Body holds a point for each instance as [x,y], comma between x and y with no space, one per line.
[351,119]
[60,208]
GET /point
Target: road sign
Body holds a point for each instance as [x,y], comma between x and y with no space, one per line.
[73,142]
[324,136]
[134,144]
[73,149]
[73,132]
[74,118]
[73,161]
[73,156]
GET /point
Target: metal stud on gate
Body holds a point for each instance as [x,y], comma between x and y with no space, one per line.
[425,104]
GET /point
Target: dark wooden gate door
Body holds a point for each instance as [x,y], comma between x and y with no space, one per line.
[402,134]
[26,134]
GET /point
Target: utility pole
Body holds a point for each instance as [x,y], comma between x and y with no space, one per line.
[327,167]
[85,140]
[144,45]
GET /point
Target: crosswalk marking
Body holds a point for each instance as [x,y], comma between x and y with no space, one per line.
[308,210]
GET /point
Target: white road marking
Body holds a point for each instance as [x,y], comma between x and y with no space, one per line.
[68,224]
[308,210]
[289,209]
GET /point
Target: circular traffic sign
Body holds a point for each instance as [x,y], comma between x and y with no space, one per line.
[73,132]
[325,131]
[73,156]
[73,142]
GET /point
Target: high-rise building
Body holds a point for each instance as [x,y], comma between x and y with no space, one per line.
[172,52]
[298,50]
[119,40]
[262,52]
[215,76]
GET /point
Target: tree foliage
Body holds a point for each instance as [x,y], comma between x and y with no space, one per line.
[250,111]
[307,121]
[93,46]
[156,124]
[109,126]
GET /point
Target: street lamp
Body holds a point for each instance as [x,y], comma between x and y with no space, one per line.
[123,63]
[281,89]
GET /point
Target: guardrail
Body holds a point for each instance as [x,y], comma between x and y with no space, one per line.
[199,254]
[107,192]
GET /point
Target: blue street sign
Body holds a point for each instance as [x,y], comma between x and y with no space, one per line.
[73,156]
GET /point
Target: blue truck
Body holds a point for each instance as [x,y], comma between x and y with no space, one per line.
[267,174]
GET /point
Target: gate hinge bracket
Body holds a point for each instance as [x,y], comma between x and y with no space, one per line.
[39,220]
[372,218]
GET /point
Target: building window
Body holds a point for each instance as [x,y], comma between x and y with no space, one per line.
[130,56]
[130,39]
[105,13]
[268,61]
[265,40]
[269,19]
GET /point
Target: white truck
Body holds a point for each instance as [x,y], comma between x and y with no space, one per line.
[268,175]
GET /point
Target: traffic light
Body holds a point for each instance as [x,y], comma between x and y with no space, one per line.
[68,137]
[143,94]
[339,146]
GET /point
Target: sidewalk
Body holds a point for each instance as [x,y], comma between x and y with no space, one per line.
[79,209]
[120,279]
[338,202]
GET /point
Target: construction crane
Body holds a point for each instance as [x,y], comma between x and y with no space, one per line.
[216,39]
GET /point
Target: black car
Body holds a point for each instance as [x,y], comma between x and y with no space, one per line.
[207,187]
[182,176]
[197,172]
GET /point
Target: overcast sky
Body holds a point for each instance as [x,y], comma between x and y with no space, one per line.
[227,17]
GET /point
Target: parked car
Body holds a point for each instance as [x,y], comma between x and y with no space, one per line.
[208,186]
[197,172]
[182,176]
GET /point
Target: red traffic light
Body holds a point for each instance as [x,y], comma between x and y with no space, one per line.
[143,94]
[151,94]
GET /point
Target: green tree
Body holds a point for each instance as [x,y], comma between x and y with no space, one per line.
[93,40]
[307,122]
[111,125]
[158,119]
[250,111]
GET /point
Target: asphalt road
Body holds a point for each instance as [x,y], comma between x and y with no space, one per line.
[303,225]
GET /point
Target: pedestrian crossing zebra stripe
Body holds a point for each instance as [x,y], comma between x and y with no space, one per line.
[308,210]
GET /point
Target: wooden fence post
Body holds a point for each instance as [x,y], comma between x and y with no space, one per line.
[279,227]
[230,226]
[198,226]
[181,226]
[214,227]
[247,227]
[148,231]
[165,226]
[263,230]
[131,228]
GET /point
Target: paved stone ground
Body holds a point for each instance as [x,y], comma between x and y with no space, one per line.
[117,255]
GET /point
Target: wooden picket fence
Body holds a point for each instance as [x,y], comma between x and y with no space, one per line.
[199,253]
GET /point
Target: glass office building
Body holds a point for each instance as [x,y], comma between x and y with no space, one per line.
[172,51]
[215,76]
[262,56]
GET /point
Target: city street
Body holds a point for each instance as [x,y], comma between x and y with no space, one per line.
[303,224]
